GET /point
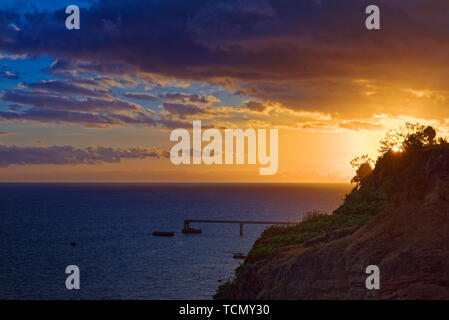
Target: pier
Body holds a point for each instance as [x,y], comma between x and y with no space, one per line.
[241,222]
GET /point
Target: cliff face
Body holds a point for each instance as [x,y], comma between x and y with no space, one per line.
[408,241]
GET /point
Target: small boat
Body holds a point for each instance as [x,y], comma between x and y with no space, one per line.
[73,243]
[239,255]
[191,230]
[163,234]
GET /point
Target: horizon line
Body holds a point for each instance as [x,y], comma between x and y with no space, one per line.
[163,182]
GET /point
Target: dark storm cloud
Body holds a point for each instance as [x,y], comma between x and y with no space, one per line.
[63,155]
[200,39]
[263,44]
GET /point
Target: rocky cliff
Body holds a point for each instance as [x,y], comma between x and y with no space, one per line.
[408,240]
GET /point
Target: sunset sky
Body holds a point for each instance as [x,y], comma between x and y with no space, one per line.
[98,104]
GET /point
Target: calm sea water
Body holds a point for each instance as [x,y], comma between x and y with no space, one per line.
[112,226]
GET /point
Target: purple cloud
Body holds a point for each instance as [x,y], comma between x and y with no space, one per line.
[101,119]
[140,96]
[47,100]
[64,87]
[185,97]
[182,110]
[64,155]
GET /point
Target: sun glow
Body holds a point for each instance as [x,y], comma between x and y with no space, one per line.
[397,148]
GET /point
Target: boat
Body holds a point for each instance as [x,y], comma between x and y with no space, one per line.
[163,234]
[191,230]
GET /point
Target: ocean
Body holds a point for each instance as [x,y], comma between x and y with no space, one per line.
[112,226]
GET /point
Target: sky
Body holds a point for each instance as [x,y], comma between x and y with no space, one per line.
[98,104]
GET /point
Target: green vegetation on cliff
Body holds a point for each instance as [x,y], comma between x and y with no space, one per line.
[370,196]
[313,225]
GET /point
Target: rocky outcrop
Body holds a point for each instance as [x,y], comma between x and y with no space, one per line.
[408,241]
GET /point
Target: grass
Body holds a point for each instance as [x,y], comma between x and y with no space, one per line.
[313,225]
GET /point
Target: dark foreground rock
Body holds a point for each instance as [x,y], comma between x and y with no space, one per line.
[409,241]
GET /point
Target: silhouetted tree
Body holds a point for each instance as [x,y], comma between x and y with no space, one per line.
[408,136]
[363,168]
[424,136]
